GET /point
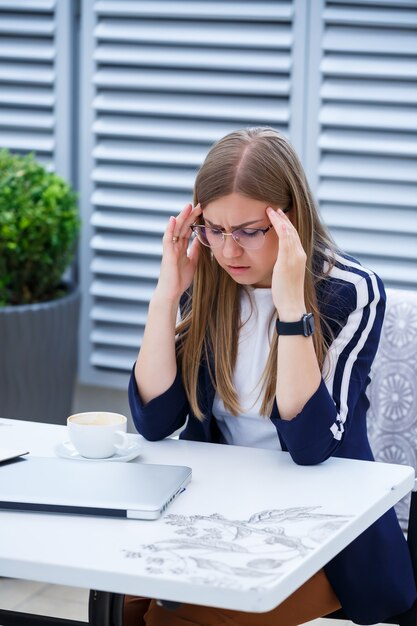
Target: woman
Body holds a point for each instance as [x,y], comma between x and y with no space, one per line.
[277,334]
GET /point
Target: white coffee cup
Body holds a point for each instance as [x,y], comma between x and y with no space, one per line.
[98,434]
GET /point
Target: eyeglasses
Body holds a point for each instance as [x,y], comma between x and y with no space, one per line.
[250,238]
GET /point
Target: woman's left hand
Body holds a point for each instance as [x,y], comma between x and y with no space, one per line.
[289,270]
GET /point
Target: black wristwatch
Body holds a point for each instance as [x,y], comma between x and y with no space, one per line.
[304,327]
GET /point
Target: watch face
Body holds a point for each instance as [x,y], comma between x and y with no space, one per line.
[308,324]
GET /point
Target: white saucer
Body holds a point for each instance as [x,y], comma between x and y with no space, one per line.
[66,450]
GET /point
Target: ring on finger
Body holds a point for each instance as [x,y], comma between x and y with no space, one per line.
[175,238]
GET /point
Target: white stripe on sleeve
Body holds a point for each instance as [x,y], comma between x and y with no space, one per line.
[346,334]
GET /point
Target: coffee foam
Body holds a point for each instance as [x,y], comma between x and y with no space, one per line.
[97,419]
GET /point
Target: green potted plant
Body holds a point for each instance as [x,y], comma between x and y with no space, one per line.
[39,312]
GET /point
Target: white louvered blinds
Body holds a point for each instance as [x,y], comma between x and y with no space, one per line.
[161,80]
[167,79]
[35,80]
[367,169]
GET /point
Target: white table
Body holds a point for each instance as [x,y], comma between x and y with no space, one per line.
[250,529]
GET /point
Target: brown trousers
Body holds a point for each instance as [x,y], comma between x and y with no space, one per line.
[313,599]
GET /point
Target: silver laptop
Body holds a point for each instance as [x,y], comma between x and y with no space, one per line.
[126,490]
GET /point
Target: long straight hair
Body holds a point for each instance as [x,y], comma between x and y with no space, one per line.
[261,164]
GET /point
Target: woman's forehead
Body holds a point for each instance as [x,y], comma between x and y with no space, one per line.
[234,210]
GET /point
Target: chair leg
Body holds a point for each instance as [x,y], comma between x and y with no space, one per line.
[99,611]
[118,609]
[105,608]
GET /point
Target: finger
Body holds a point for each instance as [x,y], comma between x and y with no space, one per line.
[196,212]
[290,228]
[197,209]
[194,252]
[175,230]
[294,237]
[172,236]
[279,225]
[183,215]
[188,221]
[188,211]
[287,220]
[282,214]
[289,243]
[169,231]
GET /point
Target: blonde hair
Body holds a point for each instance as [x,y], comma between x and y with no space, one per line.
[260,164]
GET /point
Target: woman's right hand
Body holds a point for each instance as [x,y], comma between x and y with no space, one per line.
[178,267]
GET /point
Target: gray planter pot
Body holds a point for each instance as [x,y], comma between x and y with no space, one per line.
[38,359]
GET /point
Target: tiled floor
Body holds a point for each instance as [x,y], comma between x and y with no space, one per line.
[69,602]
[55,600]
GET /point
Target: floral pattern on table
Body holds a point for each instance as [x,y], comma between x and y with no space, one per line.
[392,416]
[235,554]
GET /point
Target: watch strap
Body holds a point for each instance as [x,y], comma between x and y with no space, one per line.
[304,327]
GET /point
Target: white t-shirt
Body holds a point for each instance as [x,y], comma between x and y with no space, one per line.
[249,428]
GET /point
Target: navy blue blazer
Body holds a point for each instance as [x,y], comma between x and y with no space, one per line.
[373,576]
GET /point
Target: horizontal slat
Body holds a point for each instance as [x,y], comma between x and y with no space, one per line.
[363,16]
[369,168]
[356,40]
[397,273]
[168,202]
[119,359]
[196,34]
[398,3]
[168,178]
[26,119]
[116,221]
[378,194]
[196,131]
[116,336]
[127,244]
[195,82]
[122,290]
[386,245]
[143,152]
[126,268]
[44,159]
[368,142]
[27,49]
[198,58]
[28,98]
[32,26]
[252,11]
[369,67]
[27,141]
[369,91]
[400,274]
[119,313]
[192,106]
[31,75]
[41,6]
[369,117]
[372,219]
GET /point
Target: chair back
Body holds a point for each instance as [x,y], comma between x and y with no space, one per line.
[392,415]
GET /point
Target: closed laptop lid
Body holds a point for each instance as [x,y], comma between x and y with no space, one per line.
[7,454]
[130,490]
